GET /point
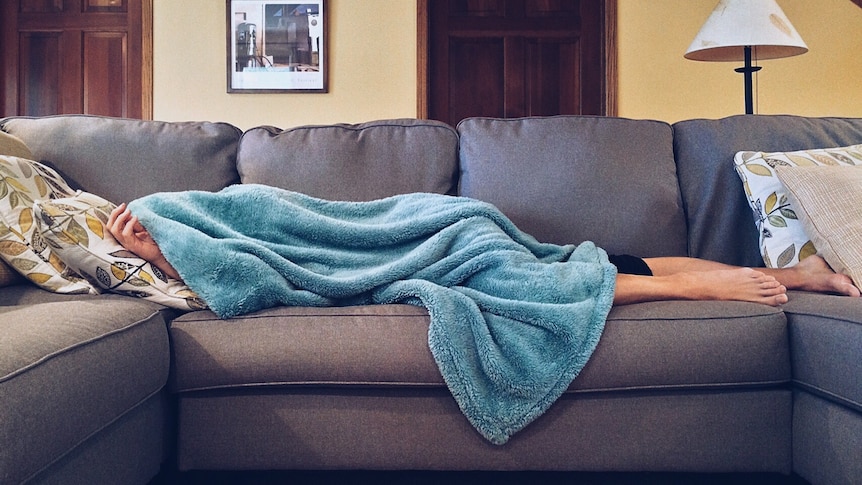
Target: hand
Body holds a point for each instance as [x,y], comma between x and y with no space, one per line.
[129,232]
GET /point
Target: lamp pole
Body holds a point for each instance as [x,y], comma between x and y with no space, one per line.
[746,71]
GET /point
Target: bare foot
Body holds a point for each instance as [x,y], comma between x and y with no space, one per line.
[814,274]
[739,284]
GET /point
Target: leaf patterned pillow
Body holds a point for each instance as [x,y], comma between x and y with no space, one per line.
[783,241]
[74,227]
[23,182]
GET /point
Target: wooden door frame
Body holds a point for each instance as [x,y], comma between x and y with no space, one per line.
[9,70]
[423,69]
[147,59]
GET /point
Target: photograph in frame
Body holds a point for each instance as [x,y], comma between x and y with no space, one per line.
[276,46]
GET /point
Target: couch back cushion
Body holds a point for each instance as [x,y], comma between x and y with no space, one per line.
[566,179]
[123,159]
[353,161]
[720,221]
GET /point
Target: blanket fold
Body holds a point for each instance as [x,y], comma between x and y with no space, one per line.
[513,321]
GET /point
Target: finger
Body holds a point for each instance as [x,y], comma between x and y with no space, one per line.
[138,226]
[112,219]
[120,224]
[128,224]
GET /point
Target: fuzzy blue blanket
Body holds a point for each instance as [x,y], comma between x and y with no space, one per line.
[513,321]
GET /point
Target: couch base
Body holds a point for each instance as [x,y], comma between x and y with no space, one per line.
[129,451]
[422,429]
[413,477]
[827,441]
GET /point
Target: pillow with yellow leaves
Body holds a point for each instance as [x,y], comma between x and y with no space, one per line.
[11,145]
[74,227]
[23,182]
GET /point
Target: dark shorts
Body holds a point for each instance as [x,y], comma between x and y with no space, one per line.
[630,264]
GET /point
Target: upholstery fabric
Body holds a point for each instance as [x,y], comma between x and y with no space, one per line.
[386,346]
[114,350]
[827,441]
[828,202]
[123,159]
[107,457]
[716,208]
[356,162]
[568,179]
[320,427]
[826,335]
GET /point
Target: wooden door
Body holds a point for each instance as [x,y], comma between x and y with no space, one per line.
[76,56]
[513,58]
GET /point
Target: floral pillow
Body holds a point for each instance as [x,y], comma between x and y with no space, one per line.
[23,182]
[783,241]
[74,228]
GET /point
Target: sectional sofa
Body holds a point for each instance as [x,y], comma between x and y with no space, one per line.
[108,388]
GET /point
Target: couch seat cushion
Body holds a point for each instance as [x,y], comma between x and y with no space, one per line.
[69,367]
[826,343]
[666,345]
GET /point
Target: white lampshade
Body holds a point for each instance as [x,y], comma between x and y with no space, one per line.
[735,24]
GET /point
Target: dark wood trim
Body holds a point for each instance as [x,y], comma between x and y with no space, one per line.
[147,59]
[9,59]
[857,2]
[610,58]
[422,46]
[611,52]
[9,39]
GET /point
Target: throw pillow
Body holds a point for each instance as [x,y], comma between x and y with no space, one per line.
[11,145]
[783,241]
[23,182]
[74,227]
[828,201]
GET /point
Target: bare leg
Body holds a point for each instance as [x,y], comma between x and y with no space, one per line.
[811,274]
[741,284]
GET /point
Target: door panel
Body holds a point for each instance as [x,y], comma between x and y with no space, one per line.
[105,70]
[513,58]
[476,62]
[550,67]
[41,51]
[74,56]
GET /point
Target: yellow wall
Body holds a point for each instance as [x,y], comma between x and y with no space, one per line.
[372,62]
[655,81]
[372,67]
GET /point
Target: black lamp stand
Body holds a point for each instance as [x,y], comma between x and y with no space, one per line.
[746,71]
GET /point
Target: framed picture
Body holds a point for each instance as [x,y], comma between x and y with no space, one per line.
[276,46]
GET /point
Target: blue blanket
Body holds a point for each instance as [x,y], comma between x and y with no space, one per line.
[513,321]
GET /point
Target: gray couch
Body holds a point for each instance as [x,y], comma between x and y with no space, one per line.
[106,389]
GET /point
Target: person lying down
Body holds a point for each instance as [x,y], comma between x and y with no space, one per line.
[512,321]
[638,280]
